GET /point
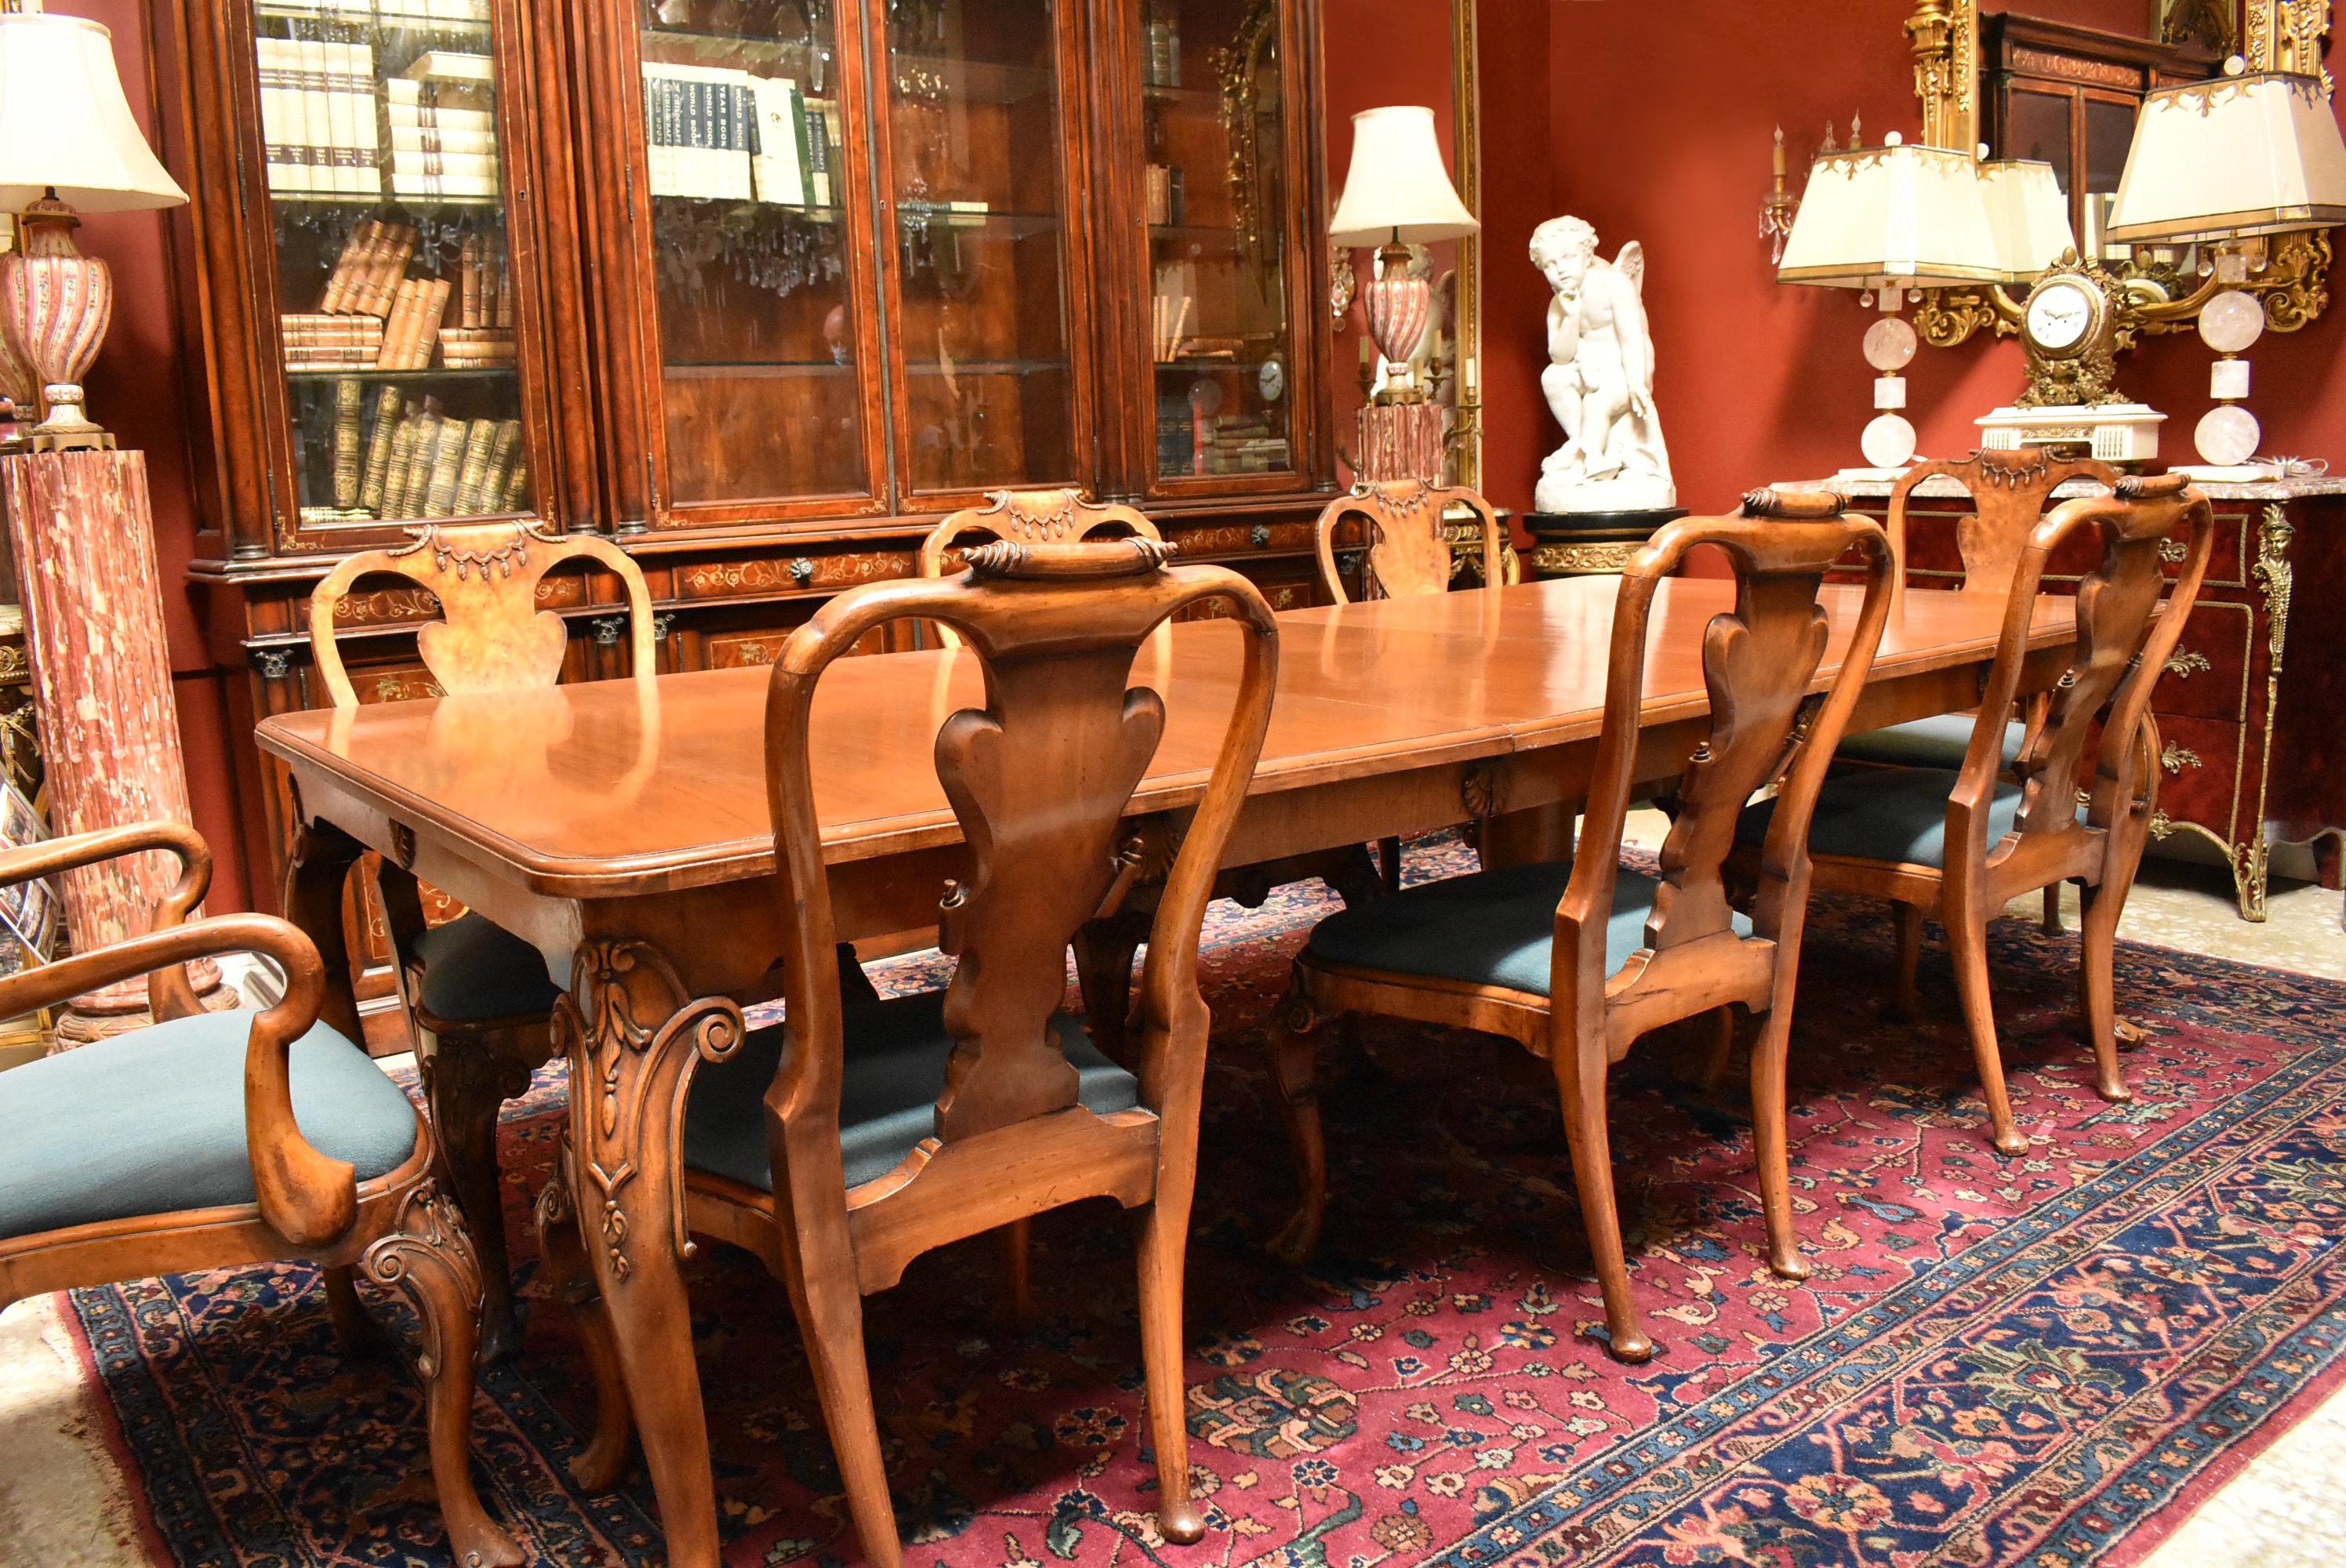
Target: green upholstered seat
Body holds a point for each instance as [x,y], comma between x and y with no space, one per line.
[1893,814]
[152,1122]
[894,1066]
[475,970]
[1938,741]
[1490,927]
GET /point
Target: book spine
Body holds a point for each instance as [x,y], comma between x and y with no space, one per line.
[805,131]
[472,473]
[396,468]
[504,452]
[504,313]
[392,271]
[427,335]
[354,251]
[348,396]
[447,467]
[377,471]
[468,267]
[406,325]
[516,495]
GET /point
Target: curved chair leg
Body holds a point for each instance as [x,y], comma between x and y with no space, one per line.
[1389,864]
[1906,1001]
[1721,1053]
[2051,924]
[467,1079]
[1164,1238]
[2099,931]
[570,1280]
[1769,1138]
[1968,942]
[1018,1247]
[1292,1049]
[1104,949]
[830,1320]
[1580,1072]
[430,1257]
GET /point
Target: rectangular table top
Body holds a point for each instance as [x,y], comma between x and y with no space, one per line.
[602,787]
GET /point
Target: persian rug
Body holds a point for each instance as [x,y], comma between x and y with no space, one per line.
[2047,1360]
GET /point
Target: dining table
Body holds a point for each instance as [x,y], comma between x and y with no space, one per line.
[622,828]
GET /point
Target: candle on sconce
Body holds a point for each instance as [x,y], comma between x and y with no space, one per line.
[1467,376]
[1779,158]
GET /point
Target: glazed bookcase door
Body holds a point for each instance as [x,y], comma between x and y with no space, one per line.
[744,170]
[402,367]
[984,247]
[1225,192]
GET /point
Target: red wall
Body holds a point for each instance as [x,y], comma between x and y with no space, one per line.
[144,389]
[1759,381]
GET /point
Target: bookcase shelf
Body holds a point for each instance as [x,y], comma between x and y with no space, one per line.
[427,373]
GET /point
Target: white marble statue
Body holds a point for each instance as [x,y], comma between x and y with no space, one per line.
[1600,379]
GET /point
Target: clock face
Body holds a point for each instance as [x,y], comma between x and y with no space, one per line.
[1271,380]
[2062,315]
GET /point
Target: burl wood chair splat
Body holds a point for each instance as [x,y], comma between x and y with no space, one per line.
[1406,550]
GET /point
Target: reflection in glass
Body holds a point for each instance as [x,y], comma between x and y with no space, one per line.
[972,96]
[395,297]
[743,151]
[1216,192]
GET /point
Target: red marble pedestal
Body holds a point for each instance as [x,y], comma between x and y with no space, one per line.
[84,541]
[1400,441]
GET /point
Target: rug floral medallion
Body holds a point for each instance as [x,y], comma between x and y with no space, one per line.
[2044,1361]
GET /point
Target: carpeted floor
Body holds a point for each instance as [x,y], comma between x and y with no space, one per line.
[2048,1360]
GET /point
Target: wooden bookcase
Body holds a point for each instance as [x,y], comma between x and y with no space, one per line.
[764,399]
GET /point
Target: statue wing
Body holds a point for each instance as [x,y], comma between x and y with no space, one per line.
[1631,264]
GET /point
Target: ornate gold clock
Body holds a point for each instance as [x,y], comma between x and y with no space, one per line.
[2069,323]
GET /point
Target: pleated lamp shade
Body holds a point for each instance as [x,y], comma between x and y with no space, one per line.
[1878,217]
[2251,153]
[2028,214]
[1397,188]
[65,123]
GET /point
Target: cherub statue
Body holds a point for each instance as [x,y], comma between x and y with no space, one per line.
[1600,379]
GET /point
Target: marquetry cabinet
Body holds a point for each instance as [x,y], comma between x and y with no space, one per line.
[2249,706]
[760,289]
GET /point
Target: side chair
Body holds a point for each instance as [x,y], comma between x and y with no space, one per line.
[1575,960]
[1961,842]
[855,1135]
[2009,492]
[1404,552]
[479,999]
[209,1140]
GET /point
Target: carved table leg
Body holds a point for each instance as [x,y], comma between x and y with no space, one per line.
[1292,1049]
[1104,949]
[633,1038]
[428,1255]
[468,1075]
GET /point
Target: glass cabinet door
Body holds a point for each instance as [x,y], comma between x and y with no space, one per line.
[402,392]
[759,284]
[1217,193]
[986,299]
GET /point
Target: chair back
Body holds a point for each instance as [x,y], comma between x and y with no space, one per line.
[1063,516]
[1406,552]
[2009,490]
[2122,642]
[490,635]
[1759,662]
[1040,779]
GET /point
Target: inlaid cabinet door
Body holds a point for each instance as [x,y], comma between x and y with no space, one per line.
[395,247]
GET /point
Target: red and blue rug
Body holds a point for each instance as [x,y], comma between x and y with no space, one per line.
[2048,1360]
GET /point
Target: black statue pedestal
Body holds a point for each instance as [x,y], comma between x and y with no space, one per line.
[1589,543]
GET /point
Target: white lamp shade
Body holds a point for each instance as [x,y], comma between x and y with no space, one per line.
[65,123]
[2251,154]
[2028,214]
[1911,216]
[1397,186]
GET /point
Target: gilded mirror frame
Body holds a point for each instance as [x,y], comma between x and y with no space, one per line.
[1944,38]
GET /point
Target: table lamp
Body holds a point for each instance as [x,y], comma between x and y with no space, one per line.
[2246,155]
[2027,214]
[67,140]
[1888,220]
[1397,193]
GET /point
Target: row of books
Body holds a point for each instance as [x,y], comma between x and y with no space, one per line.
[317,341]
[718,133]
[326,122]
[319,131]
[484,283]
[367,275]
[413,460]
[443,119]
